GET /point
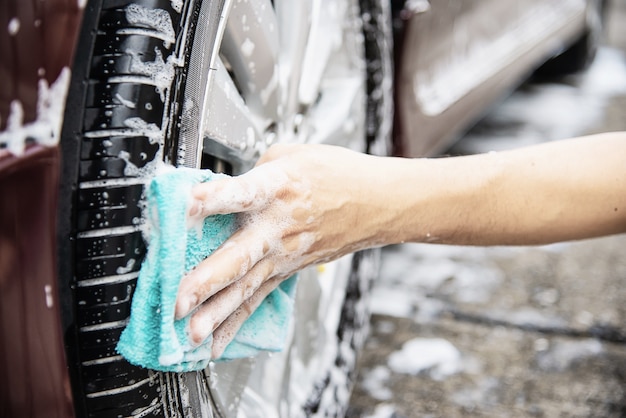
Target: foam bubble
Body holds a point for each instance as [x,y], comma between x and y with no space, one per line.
[13,26]
[177,5]
[435,355]
[157,19]
[161,72]
[46,128]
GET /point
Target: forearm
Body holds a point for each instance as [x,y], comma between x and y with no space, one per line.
[552,192]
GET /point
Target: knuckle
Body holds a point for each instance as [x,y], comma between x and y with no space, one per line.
[278,150]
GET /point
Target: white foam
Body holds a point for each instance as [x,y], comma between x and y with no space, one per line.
[177,5]
[111,183]
[46,128]
[396,302]
[13,26]
[109,280]
[383,411]
[49,296]
[126,269]
[247,47]
[561,355]
[121,389]
[167,41]
[105,232]
[435,355]
[129,104]
[161,73]
[374,382]
[157,19]
[417,6]
[105,326]
[149,130]
[170,359]
[104,360]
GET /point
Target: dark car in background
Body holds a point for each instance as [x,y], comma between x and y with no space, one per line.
[96,95]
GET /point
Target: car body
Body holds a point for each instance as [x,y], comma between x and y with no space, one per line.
[453,60]
[456,59]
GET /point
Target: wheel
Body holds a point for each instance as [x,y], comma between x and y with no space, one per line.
[211,84]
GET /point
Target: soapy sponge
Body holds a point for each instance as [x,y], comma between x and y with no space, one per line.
[153,338]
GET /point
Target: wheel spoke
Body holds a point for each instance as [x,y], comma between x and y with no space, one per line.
[294,20]
[336,118]
[325,37]
[250,50]
[229,122]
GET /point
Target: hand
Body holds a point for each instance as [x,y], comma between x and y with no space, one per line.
[301,204]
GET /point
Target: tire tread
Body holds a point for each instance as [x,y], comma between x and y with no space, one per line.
[109,244]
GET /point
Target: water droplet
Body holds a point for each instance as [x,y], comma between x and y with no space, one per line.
[14,26]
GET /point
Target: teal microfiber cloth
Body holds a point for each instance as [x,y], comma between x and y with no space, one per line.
[153,338]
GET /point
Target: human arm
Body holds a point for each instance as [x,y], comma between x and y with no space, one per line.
[558,191]
[306,204]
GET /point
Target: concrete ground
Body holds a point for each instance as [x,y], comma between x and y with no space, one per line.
[509,332]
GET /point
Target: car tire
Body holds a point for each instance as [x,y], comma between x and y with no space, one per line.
[125,115]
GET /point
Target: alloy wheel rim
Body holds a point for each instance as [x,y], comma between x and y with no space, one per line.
[277,72]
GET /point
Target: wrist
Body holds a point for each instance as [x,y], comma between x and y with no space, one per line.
[441,200]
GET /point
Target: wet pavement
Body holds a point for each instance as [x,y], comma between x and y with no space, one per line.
[509,331]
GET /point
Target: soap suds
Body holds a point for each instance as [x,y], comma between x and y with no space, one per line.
[128,268]
[247,47]
[562,354]
[14,26]
[46,128]
[177,5]
[49,296]
[156,19]
[375,383]
[129,104]
[436,356]
[160,72]
[149,130]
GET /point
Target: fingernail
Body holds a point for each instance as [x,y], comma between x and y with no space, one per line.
[185,305]
[195,208]
[198,331]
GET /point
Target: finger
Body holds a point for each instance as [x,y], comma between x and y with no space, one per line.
[226,332]
[247,192]
[219,307]
[225,266]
